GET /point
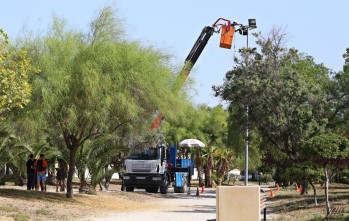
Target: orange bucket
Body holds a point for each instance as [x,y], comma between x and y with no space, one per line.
[227,36]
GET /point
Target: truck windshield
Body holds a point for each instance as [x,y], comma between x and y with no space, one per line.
[149,154]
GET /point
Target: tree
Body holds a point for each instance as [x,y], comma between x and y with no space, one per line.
[325,150]
[285,93]
[96,85]
[14,67]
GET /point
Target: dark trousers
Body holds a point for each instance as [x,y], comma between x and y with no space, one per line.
[31,181]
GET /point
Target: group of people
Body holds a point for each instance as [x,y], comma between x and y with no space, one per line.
[37,170]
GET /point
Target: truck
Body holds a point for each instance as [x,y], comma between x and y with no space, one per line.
[158,168]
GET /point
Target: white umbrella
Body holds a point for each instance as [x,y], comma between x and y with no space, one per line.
[191,143]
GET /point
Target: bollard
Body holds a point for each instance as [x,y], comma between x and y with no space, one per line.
[265,214]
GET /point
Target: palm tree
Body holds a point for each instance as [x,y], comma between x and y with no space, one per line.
[12,153]
[223,161]
[95,156]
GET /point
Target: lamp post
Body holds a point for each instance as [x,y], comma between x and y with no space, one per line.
[243,30]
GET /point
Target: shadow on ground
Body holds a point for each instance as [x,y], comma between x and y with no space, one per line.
[37,195]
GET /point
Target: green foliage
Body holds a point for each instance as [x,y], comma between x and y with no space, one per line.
[95,156]
[223,162]
[266,177]
[339,98]
[106,27]
[284,91]
[88,86]
[345,176]
[326,148]
[204,123]
[298,172]
[14,67]
[12,152]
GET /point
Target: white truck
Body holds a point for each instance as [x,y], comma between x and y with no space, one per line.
[147,170]
[157,168]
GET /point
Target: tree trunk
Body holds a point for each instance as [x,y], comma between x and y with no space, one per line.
[72,155]
[200,176]
[328,208]
[82,181]
[208,177]
[7,169]
[315,196]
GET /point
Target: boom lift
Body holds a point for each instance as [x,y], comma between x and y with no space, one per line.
[157,168]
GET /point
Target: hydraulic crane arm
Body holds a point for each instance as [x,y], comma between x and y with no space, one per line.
[200,44]
[205,35]
[193,56]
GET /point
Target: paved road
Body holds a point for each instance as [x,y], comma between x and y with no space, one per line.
[180,207]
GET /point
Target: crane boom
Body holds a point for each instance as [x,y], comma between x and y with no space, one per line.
[195,52]
[193,56]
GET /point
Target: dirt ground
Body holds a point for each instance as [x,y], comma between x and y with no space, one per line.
[16,203]
[288,204]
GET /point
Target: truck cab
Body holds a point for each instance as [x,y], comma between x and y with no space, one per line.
[147,169]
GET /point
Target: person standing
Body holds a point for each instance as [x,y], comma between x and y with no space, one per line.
[60,175]
[41,169]
[30,172]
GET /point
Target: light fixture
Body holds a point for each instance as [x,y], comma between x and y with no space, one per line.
[252,23]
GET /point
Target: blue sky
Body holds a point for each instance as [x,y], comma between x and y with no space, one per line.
[316,27]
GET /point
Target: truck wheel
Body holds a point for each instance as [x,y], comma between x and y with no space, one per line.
[164,189]
[129,189]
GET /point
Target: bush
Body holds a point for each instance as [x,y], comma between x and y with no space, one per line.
[266,178]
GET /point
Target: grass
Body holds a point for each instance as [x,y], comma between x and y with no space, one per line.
[9,209]
[20,217]
[288,204]
[43,212]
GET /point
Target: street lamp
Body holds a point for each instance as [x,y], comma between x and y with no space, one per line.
[243,30]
